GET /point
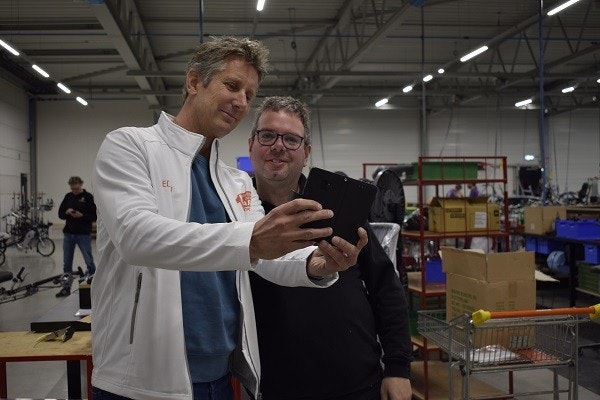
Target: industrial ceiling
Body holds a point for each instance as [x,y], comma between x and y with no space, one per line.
[337,54]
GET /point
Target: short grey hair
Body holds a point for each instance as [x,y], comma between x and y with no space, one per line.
[288,104]
[211,57]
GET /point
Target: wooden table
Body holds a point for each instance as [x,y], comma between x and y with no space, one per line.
[19,346]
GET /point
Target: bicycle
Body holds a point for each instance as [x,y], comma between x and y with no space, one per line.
[19,290]
[27,236]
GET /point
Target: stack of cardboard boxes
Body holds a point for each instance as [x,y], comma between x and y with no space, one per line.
[491,282]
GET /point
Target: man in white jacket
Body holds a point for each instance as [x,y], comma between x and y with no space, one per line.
[177,232]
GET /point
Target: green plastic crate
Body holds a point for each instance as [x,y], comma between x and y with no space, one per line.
[588,280]
[446,170]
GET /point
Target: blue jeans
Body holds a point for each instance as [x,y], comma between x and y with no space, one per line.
[85,245]
[220,389]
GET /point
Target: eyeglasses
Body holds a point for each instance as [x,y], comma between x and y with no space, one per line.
[268,138]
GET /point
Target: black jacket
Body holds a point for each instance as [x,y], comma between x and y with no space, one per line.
[84,203]
[323,343]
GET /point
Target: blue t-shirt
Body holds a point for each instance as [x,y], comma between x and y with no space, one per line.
[209,299]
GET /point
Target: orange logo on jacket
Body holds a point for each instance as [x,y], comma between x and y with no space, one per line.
[244,199]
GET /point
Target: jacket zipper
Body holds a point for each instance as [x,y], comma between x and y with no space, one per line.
[245,336]
[135,305]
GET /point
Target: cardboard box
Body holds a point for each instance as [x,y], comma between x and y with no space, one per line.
[539,220]
[447,215]
[492,282]
[482,216]
[489,267]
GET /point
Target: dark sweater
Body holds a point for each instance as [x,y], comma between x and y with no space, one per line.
[322,343]
[84,203]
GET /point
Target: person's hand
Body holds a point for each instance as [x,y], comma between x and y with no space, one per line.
[279,232]
[395,388]
[76,214]
[337,256]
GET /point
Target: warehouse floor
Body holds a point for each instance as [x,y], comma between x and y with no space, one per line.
[40,380]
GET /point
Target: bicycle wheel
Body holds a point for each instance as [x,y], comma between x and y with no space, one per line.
[2,257]
[45,246]
[2,246]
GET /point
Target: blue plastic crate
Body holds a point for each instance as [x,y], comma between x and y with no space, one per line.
[530,243]
[562,227]
[592,254]
[586,229]
[434,272]
[546,246]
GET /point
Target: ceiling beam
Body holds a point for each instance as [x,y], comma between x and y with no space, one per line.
[124,27]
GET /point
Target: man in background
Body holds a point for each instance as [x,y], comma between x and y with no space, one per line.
[323,344]
[456,191]
[473,191]
[79,212]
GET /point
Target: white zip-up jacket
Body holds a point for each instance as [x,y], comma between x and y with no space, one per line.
[141,184]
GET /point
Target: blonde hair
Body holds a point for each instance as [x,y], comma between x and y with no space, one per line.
[211,56]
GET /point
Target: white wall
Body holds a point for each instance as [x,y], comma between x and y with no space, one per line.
[68,138]
[14,146]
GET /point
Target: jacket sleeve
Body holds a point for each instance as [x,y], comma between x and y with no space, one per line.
[63,208]
[90,209]
[129,215]
[282,272]
[390,307]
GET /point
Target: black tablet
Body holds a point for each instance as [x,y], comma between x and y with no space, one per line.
[349,199]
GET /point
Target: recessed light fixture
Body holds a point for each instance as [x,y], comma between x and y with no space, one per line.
[529,157]
[523,103]
[407,89]
[558,9]
[40,71]
[474,53]
[81,101]
[441,71]
[9,48]
[63,88]
[427,78]
[382,102]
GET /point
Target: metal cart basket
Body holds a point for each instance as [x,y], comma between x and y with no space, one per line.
[509,341]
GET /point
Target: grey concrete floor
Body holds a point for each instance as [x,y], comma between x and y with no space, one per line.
[44,380]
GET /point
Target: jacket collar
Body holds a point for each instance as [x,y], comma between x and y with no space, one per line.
[179,138]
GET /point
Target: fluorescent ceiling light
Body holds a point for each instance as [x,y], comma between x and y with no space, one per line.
[82,101]
[40,71]
[598,80]
[9,47]
[562,7]
[407,89]
[529,157]
[427,78]
[568,89]
[63,88]
[441,71]
[260,5]
[474,53]
[381,102]
[523,103]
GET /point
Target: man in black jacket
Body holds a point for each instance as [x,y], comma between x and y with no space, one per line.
[79,211]
[324,344]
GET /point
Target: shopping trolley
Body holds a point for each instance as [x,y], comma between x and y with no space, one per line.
[509,341]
